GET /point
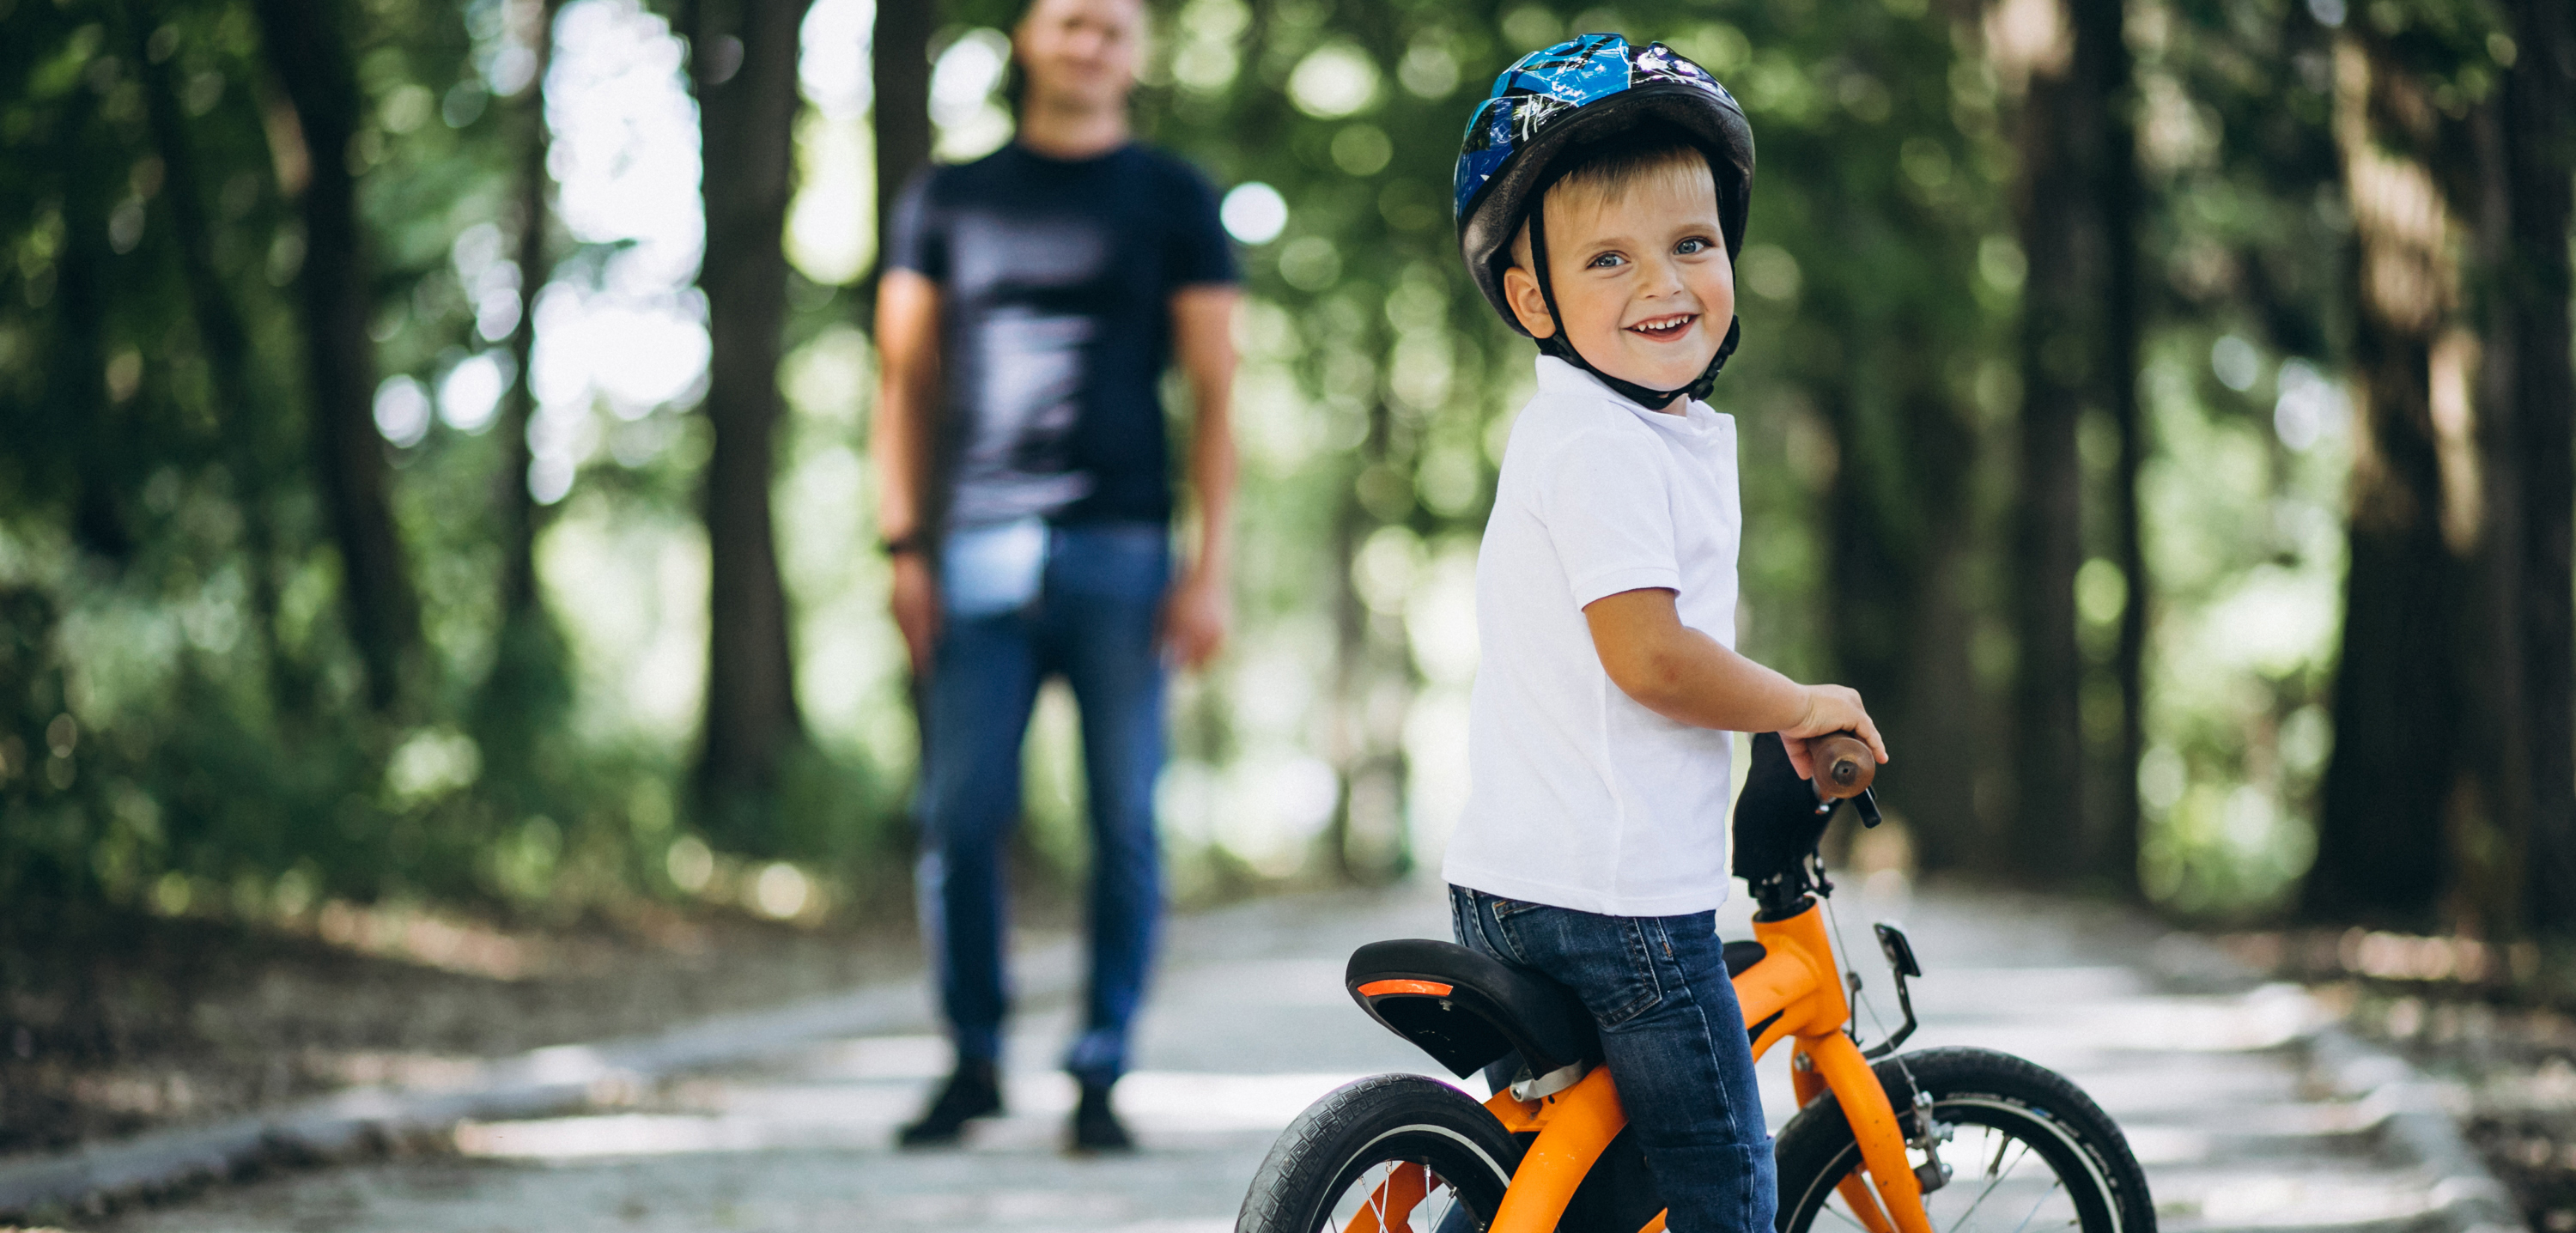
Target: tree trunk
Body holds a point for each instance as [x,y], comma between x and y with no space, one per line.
[527,691]
[520,600]
[307,50]
[2060,123]
[1373,685]
[1350,740]
[225,343]
[2102,54]
[2495,772]
[75,379]
[899,56]
[2383,846]
[1897,517]
[2539,96]
[743,61]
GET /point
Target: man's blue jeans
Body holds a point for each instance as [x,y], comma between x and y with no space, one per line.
[1674,1037]
[1093,619]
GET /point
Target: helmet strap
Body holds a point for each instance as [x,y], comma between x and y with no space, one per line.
[1561,346]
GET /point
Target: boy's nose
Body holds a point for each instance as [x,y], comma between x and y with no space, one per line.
[1663,277]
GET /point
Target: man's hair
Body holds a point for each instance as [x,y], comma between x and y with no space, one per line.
[1015,80]
[1020,13]
[1613,169]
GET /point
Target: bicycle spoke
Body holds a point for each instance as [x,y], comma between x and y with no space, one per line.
[1998,1180]
[2034,1208]
[1391,1197]
[1436,1191]
[1838,1215]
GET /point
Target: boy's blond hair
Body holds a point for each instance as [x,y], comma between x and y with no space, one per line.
[1615,170]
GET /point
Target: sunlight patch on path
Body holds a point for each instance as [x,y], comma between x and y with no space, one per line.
[1161,1105]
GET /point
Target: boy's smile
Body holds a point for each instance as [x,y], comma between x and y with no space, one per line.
[1640,274]
[1666,328]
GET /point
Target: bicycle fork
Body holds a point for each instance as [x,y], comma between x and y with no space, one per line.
[1835,1062]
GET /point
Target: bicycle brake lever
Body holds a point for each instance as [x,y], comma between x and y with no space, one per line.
[1867,804]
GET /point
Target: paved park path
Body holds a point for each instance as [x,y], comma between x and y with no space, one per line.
[1249,1024]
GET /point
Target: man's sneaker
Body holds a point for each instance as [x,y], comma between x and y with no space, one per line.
[974,1091]
[1095,1125]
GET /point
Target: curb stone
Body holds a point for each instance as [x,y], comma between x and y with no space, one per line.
[2415,1121]
[529,1084]
[2410,1115]
[541,1081]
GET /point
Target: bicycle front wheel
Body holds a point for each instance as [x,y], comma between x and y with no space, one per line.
[1388,1153]
[2028,1151]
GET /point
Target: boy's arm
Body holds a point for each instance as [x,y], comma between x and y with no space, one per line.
[1688,677]
[1199,609]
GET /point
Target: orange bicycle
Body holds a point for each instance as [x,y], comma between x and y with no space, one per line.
[1949,1139]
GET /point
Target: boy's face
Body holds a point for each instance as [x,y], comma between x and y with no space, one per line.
[1640,273]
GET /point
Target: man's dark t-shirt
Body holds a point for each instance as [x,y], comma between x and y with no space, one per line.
[1055,285]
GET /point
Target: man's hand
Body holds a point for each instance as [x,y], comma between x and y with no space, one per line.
[1830,709]
[915,602]
[1196,614]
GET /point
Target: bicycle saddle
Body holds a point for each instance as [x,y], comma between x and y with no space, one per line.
[1467,1009]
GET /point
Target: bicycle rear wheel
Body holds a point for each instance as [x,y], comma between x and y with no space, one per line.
[2028,1150]
[1383,1154]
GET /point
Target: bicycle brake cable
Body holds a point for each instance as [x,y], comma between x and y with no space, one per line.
[1835,922]
[1851,972]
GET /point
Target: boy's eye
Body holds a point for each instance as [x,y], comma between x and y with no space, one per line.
[1695,244]
[1606,261]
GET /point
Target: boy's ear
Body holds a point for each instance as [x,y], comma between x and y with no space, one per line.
[1521,290]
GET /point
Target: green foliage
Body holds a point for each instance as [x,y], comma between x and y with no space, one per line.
[180,725]
[180,713]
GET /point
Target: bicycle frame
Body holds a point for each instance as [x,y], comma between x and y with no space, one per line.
[1794,993]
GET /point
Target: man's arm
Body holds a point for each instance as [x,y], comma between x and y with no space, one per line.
[1688,677]
[1200,607]
[899,441]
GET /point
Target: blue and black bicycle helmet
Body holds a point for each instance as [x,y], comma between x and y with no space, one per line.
[1576,95]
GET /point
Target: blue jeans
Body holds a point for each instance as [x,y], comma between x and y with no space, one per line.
[1673,1035]
[1093,617]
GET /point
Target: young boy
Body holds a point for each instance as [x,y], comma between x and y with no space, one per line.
[1601,200]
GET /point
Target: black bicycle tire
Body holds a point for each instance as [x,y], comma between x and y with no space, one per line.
[1371,1121]
[1816,1150]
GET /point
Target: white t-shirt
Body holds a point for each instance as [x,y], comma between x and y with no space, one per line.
[1578,797]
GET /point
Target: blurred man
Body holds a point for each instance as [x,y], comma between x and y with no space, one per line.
[1031,303]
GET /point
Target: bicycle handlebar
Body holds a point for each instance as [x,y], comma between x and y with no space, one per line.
[1844,766]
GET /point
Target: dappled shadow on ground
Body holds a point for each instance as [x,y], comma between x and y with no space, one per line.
[2510,1075]
[117,1022]
[2494,1027]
